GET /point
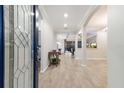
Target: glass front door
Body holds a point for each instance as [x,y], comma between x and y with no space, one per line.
[18,46]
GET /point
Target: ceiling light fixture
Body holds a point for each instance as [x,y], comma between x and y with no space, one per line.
[65,25]
[66,15]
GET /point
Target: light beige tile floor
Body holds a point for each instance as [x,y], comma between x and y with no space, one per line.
[70,74]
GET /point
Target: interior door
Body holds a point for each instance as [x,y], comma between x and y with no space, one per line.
[18,47]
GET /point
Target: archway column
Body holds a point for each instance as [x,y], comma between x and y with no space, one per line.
[80,53]
[84,60]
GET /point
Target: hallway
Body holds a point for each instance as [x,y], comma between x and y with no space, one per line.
[70,74]
[48,31]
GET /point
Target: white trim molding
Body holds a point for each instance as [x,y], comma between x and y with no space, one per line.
[42,71]
[97,59]
[88,15]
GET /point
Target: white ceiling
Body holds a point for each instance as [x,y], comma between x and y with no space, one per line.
[56,18]
[98,20]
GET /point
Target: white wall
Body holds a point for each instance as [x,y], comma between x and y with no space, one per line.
[116,46]
[48,43]
[100,53]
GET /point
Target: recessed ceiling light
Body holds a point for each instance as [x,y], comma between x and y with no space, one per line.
[65,25]
[66,15]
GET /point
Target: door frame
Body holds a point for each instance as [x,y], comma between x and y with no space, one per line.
[35,52]
[1,47]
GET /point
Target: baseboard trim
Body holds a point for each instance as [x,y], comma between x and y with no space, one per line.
[97,59]
[83,65]
[42,71]
[76,58]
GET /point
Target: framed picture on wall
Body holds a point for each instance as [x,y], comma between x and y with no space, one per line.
[91,40]
[79,43]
